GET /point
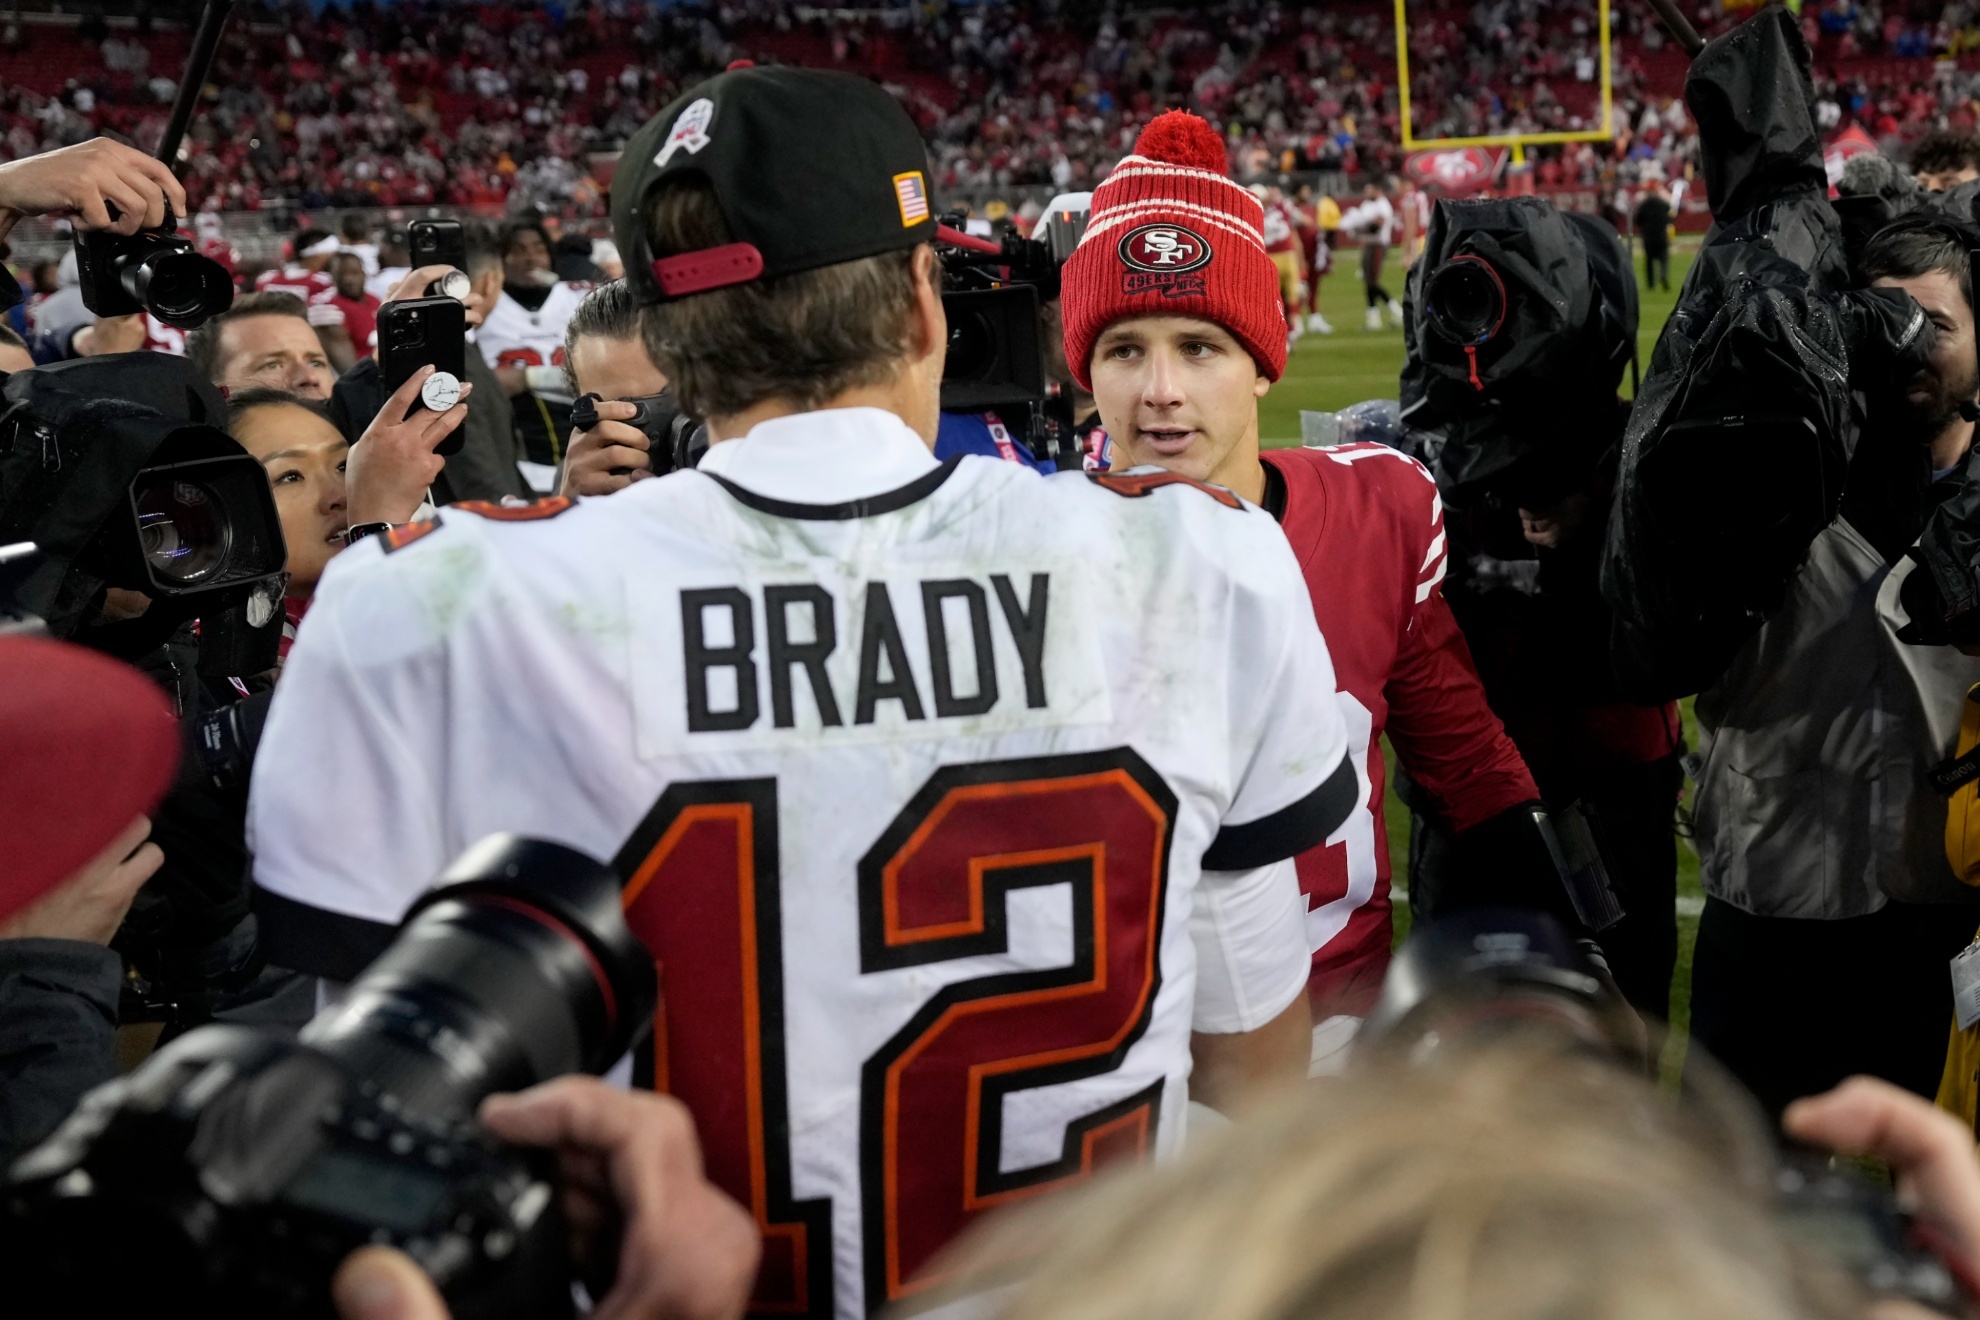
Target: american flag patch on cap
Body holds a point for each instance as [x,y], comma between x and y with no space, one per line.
[911,191]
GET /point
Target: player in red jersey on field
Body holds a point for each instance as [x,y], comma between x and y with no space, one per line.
[1174,320]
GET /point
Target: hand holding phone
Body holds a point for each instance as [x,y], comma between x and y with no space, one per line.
[399,454]
[424,332]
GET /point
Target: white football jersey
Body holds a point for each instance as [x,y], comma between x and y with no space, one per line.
[514,336]
[949,797]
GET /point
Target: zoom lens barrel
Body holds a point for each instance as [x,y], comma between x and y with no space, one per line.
[1466,300]
[517,969]
[184,531]
[180,288]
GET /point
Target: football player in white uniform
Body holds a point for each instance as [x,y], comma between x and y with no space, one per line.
[956,802]
[522,338]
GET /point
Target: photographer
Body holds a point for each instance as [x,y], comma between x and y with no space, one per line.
[86,747]
[1799,426]
[605,355]
[1819,837]
[1522,320]
[1943,160]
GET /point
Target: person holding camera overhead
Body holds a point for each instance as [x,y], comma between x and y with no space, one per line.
[1178,355]
[831,674]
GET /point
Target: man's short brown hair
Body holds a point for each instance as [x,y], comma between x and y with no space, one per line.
[806,338]
[203,344]
[1943,152]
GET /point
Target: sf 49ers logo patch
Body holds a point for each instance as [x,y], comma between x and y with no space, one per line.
[1165,259]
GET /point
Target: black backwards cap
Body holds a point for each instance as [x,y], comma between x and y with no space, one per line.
[810,168]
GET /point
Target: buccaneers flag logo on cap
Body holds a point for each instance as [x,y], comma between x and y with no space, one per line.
[1160,258]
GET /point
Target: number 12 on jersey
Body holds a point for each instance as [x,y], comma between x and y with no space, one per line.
[702,889]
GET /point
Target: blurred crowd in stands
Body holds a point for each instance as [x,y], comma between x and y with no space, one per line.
[518,106]
[505,103]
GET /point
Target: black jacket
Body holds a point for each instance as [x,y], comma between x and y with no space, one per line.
[58,1033]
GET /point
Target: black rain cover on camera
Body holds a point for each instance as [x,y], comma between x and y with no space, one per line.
[1734,457]
[1569,330]
[72,437]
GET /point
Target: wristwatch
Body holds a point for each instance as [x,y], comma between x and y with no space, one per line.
[358,531]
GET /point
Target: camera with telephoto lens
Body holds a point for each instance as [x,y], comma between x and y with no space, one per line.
[154,270]
[674,438]
[1480,977]
[235,1169]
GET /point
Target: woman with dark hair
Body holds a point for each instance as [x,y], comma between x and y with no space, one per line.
[327,488]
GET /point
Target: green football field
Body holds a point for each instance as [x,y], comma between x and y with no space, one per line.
[1327,372]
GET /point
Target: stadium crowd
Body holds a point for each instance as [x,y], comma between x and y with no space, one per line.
[860,690]
[505,104]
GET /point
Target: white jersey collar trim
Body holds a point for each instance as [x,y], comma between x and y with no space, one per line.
[830,456]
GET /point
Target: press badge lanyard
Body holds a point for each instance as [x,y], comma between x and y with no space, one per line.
[1006,447]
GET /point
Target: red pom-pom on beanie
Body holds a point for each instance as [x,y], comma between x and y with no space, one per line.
[1172,234]
[1178,137]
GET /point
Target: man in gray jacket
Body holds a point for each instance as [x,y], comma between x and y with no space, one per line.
[1831,911]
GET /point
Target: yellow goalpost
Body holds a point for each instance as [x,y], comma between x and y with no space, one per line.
[1517,141]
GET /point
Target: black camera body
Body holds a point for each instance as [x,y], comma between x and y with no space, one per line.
[996,350]
[239,1169]
[235,1169]
[154,270]
[995,358]
[675,439]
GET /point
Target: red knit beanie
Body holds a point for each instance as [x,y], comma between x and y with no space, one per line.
[1173,234]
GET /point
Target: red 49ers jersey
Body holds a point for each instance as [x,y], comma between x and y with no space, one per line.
[1368,529]
[1281,227]
[307,285]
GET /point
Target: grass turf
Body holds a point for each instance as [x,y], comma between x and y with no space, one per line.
[1327,372]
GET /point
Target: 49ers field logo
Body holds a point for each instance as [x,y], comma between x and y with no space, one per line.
[1164,259]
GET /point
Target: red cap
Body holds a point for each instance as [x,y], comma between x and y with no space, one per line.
[86,745]
[1172,234]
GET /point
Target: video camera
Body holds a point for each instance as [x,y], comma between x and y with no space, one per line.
[996,355]
[234,1170]
[117,468]
[1519,319]
[1483,976]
